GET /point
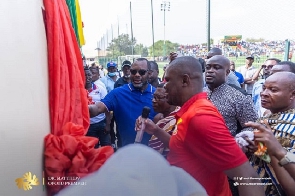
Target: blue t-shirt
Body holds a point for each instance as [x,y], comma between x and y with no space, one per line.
[127,103]
[240,77]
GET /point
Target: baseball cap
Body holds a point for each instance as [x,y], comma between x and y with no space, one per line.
[111,64]
[126,63]
[250,57]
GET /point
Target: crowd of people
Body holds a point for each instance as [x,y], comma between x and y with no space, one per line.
[240,48]
[231,129]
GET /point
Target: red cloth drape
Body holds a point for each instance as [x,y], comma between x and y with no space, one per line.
[68,152]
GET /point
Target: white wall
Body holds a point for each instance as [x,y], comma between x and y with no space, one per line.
[24,111]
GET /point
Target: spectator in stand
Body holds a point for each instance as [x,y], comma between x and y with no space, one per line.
[184,87]
[238,74]
[257,87]
[154,79]
[248,71]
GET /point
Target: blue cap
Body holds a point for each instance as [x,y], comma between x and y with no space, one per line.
[111,64]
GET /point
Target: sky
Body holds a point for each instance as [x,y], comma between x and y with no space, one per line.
[186,22]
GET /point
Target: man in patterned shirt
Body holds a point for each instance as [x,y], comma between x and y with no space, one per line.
[235,107]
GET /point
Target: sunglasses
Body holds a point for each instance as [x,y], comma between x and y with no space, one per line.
[268,66]
[141,71]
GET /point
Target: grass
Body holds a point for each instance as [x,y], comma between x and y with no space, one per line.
[240,61]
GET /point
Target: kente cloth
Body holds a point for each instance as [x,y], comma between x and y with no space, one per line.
[283,126]
[167,124]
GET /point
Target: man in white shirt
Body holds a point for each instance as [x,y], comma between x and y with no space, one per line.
[248,71]
[95,76]
[97,126]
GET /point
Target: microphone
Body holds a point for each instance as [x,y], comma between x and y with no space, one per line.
[144,115]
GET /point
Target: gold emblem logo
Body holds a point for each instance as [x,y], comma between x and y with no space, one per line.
[177,123]
[27,181]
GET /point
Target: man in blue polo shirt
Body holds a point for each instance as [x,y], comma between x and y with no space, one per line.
[240,77]
[128,101]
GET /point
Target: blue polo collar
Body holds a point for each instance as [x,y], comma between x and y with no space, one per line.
[148,89]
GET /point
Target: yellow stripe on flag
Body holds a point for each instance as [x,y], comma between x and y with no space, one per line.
[79,24]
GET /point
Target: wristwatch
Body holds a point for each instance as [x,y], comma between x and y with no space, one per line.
[288,158]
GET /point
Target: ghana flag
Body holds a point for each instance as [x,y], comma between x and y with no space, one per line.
[74,9]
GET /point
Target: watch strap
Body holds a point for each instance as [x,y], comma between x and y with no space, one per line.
[288,158]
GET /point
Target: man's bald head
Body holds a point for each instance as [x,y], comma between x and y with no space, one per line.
[217,70]
[222,60]
[283,79]
[186,64]
[184,79]
[213,52]
[283,66]
[278,92]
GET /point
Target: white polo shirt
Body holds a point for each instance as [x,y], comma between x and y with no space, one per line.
[247,73]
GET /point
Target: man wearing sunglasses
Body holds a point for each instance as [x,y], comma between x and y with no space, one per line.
[257,87]
[127,102]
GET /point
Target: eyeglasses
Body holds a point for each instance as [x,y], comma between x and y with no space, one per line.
[141,71]
[267,66]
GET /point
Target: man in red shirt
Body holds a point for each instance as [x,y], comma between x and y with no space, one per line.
[202,144]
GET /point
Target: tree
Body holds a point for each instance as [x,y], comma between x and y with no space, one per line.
[139,49]
[159,48]
[120,46]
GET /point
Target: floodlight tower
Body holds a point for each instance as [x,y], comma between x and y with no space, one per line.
[165,6]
